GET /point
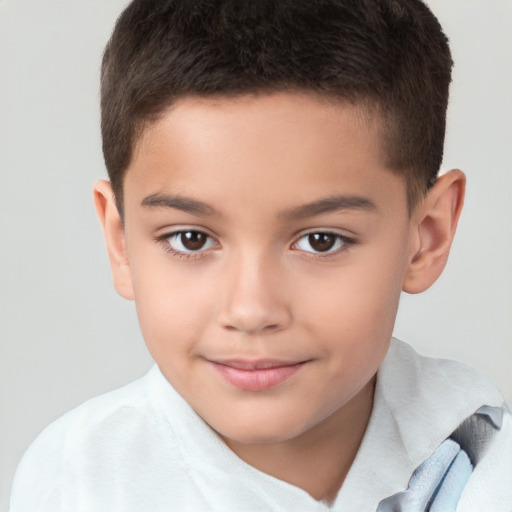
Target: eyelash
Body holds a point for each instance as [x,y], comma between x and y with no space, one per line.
[346,244]
[163,240]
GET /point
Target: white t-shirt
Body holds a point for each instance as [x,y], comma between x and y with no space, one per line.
[142,448]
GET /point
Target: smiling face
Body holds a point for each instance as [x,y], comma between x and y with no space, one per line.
[266,247]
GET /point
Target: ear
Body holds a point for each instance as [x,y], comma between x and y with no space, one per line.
[113,229]
[433,227]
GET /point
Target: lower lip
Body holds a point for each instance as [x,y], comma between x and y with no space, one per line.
[257,380]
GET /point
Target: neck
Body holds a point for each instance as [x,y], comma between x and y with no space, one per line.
[319,459]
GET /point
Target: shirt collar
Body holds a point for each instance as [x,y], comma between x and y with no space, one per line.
[419,402]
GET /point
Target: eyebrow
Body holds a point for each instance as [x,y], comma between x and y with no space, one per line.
[183,203]
[325,205]
[328,205]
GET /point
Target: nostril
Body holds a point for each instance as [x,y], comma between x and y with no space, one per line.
[266,328]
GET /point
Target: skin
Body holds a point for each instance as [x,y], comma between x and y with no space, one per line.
[258,288]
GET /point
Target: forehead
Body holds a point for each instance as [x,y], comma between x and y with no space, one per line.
[284,148]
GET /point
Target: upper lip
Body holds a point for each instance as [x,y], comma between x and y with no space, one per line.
[258,364]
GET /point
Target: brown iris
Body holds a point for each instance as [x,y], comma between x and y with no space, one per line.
[193,240]
[322,242]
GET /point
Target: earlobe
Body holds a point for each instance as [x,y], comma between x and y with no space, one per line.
[113,230]
[434,224]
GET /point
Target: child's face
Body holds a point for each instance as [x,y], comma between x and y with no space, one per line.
[265,231]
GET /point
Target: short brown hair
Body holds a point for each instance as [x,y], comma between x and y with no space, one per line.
[391,54]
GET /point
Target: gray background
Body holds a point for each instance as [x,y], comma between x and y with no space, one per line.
[66,336]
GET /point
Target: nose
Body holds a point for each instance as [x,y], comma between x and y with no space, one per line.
[255,300]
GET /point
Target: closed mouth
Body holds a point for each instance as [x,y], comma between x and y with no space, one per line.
[256,375]
[261,364]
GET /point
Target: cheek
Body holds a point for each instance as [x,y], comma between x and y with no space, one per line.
[353,300]
[353,325]
[354,306]
[173,306]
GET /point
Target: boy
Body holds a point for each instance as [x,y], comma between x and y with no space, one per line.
[273,189]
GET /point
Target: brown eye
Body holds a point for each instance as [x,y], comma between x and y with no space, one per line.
[189,241]
[193,240]
[321,242]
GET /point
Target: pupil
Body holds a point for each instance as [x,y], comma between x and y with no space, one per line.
[322,242]
[193,240]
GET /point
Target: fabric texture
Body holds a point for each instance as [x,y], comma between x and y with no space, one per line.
[437,485]
[143,448]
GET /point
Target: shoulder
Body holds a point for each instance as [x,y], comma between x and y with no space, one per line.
[86,441]
[490,485]
[433,399]
[428,398]
[104,413]
[435,381]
